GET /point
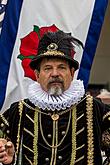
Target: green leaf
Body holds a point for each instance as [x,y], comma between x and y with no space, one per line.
[37,29]
[22,57]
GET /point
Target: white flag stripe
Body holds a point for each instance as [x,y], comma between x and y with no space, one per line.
[69,16]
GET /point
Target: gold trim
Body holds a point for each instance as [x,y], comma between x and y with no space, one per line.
[106,115]
[82,157]
[35,141]
[53,53]
[28,148]
[80,147]
[20,106]
[28,160]
[74,125]
[55,146]
[90,138]
[54,142]
[30,118]
[78,132]
[4,120]
[55,116]
[30,133]
[80,117]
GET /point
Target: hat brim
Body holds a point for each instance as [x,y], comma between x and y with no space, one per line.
[35,62]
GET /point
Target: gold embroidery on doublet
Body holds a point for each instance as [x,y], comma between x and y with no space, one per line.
[35,141]
[20,106]
[90,151]
[90,139]
[74,125]
[4,120]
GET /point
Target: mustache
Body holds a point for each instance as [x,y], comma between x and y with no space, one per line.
[55,80]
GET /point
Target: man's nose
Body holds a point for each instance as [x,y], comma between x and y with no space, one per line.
[54,72]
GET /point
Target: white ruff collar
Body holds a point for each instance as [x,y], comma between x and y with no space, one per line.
[43,100]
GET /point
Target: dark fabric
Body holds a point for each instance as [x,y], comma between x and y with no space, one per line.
[64,150]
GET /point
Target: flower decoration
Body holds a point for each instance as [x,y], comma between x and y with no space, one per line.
[29,47]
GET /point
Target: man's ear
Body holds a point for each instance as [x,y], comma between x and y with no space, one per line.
[36,74]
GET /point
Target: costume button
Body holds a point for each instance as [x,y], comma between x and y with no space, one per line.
[2,125]
[63,133]
[108,118]
[8,131]
[60,157]
[49,135]
[46,159]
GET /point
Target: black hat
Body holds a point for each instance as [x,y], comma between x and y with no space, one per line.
[57,45]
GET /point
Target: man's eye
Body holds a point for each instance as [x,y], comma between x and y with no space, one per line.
[62,67]
[46,69]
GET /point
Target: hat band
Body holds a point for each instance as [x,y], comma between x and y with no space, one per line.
[53,53]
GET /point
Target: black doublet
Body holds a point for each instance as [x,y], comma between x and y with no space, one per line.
[11,117]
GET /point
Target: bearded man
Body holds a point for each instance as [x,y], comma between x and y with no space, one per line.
[58,124]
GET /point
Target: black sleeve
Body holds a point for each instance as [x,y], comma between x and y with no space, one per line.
[103,113]
[9,122]
[104,110]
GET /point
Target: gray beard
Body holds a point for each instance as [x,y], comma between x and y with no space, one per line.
[55,91]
